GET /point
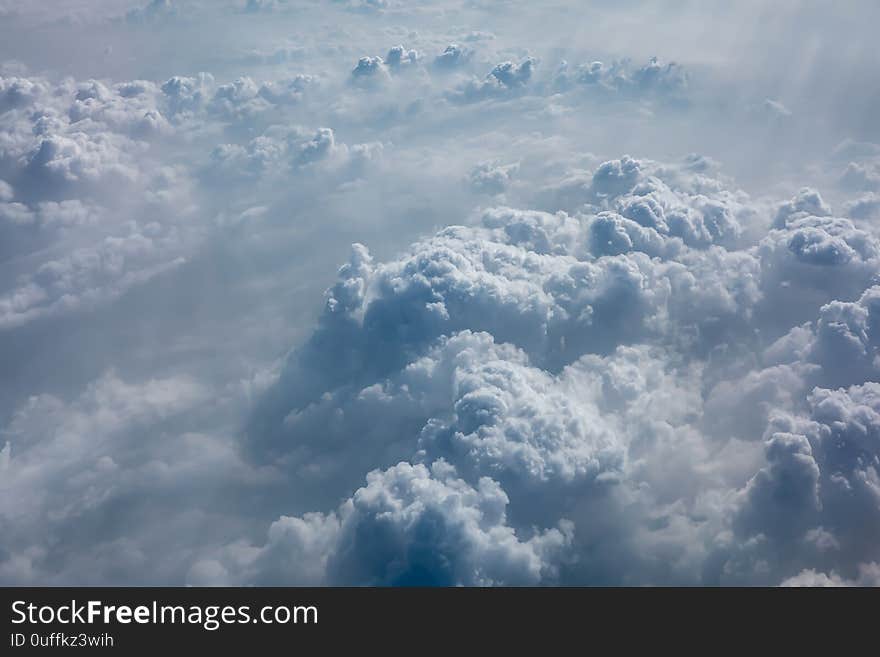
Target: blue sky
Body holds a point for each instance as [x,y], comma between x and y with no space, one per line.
[478,293]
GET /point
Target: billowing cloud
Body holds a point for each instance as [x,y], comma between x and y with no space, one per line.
[491,177]
[389,532]
[452,57]
[543,361]
[621,78]
[517,349]
[506,78]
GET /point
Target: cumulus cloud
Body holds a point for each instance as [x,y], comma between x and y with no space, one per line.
[399,56]
[370,70]
[869,575]
[506,78]
[452,57]
[515,349]
[543,361]
[621,79]
[861,177]
[491,177]
[84,161]
[389,531]
[864,207]
[66,148]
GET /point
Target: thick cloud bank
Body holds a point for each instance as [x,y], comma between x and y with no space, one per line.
[607,394]
[608,309]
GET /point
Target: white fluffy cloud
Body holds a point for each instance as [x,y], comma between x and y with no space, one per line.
[654,79]
[543,362]
[505,79]
[547,399]
[409,525]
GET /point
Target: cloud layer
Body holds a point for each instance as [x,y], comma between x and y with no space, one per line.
[607,313]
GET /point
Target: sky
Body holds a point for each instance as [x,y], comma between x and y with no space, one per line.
[373,292]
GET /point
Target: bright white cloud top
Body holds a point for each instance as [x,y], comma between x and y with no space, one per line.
[544,361]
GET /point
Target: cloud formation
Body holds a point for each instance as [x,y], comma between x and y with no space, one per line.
[565,357]
[607,311]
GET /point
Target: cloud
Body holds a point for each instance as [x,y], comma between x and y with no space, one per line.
[89,189]
[72,151]
[399,56]
[389,531]
[622,80]
[280,150]
[516,348]
[187,94]
[97,470]
[257,6]
[370,69]
[773,109]
[543,361]
[491,177]
[861,177]
[869,575]
[816,500]
[453,56]
[504,79]
[89,276]
[814,260]
[155,10]
[865,207]
[807,203]
[17,92]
